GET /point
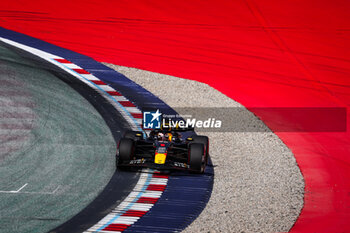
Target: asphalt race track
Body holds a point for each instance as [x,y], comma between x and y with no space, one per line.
[259,53]
[57,152]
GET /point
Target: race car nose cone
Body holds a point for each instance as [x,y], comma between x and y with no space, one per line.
[160,158]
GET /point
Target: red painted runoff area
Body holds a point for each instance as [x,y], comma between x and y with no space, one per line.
[262,53]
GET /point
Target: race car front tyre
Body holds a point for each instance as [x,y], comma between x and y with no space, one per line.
[197,157]
[126,149]
[205,141]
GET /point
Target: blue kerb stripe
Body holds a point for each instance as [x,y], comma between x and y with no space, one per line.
[130,205]
[132,118]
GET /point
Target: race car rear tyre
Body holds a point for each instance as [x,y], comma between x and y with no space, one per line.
[126,149]
[204,140]
[197,157]
[133,135]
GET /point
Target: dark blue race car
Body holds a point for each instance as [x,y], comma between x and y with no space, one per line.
[164,149]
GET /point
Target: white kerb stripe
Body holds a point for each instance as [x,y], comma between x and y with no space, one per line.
[90,77]
[106,88]
[72,66]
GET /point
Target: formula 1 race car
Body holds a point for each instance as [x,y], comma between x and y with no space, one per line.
[163,149]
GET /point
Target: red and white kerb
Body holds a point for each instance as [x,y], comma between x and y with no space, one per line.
[134,114]
[145,194]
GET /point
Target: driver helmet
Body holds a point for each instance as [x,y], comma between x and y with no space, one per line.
[160,136]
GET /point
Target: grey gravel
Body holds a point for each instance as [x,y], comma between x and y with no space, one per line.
[258,186]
